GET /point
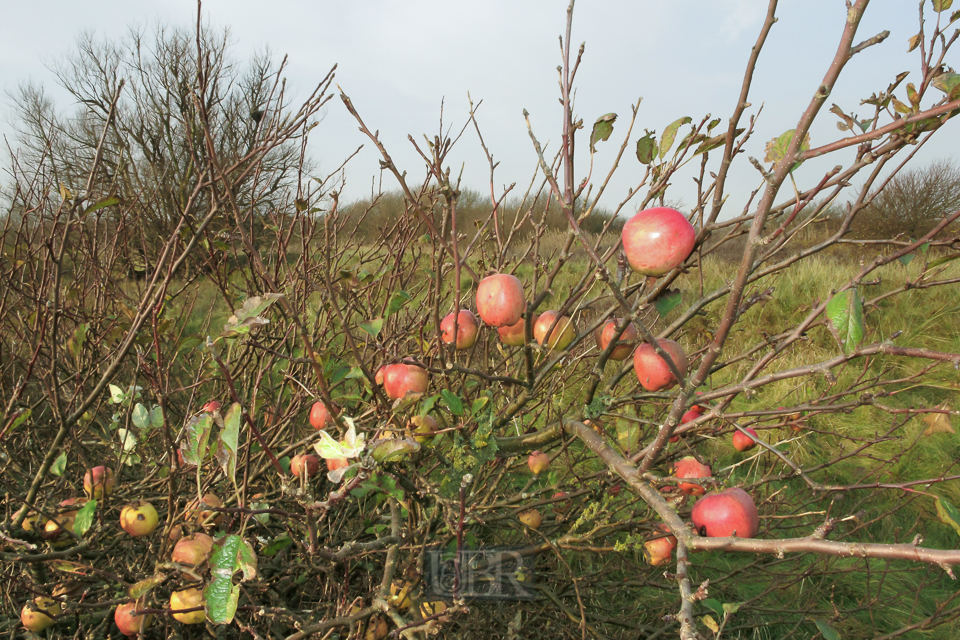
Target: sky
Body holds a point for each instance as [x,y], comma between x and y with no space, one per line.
[400,61]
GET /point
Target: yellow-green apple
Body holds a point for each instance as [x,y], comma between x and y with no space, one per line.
[128,623]
[319,416]
[467,329]
[652,370]
[202,514]
[139,519]
[500,301]
[743,442]
[538,461]
[531,518]
[377,629]
[188,599]
[65,518]
[401,379]
[423,428]
[39,613]
[99,482]
[657,240]
[659,550]
[624,345]
[192,550]
[690,467]
[304,464]
[726,513]
[400,595]
[515,335]
[562,335]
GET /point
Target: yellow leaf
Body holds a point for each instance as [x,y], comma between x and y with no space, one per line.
[938,422]
[710,623]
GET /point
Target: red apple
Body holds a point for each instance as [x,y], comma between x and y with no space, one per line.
[99,482]
[38,614]
[743,442]
[401,379]
[128,623]
[652,370]
[562,335]
[515,335]
[726,513]
[139,519]
[205,516]
[337,463]
[658,240]
[692,414]
[659,550]
[188,599]
[213,405]
[531,518]
[537,462]
[467,329]
[624,345]
[500,301]
[192,550]
[378,377]
[561,502]
[689,467]
[304,463]
[319,416]
[423,428]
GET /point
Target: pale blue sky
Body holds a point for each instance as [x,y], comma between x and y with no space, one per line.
[398,60]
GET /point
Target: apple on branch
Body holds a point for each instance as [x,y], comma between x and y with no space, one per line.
[500,300]
[562,334]
[467,329]
[730,512]
[625,343]
[652,371]
[658,240]
[515,335]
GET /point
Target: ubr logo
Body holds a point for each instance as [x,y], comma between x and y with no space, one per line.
[494,573]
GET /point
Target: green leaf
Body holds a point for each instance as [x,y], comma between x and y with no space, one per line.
[231,554]
[285,464]
[19,419]
[479,404]
[453,402]
[229,441]
[647,148]
[943,260]
[845,319]
[329,448]
[628,432]
[389,449]
[117,394]
[59,465]
[948,514]
[602,129]
[905,260]
[714,605]
[106,202]
[777,148]
[196,438]
[248,316]
[668,301]
[276,545]
[156,417]
[828,632]
[730,608]
[85,518]
[670,134]
[140,416]
[941,5]
[374,327]
[949,83]
[397,302]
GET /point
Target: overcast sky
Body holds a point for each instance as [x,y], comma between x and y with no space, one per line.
[399,60]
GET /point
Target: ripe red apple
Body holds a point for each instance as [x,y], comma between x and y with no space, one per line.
[204,516]
[38,614]
[401,379]
[188,599]
[658,240]
[319,416]
[689,467]
[128,623]
[423,428]
[500,301]
[210,407]
[562,335]
[467,329]
[139,519]
[304,463]
[562,502]
[515,335]
[743,442]
[337,463]
[192,550]
[531,518]
[537,462]
[652,370]
[624,345]
[99,482]
[659,550]
[726,513]
[378,376]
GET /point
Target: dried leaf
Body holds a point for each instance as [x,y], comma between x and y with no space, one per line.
[938,422]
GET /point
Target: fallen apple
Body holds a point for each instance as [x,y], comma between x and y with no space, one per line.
[730,512]
[531,518]
[128,623]
[190,598]
[39,613]
[562,334]
[658,240]
[625,343]
[743,442]
[690,467]
[515,335]
[466,327]
[139,519]
[652,371]
[99,482]
[538,461]
[500,300]
[401,379]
